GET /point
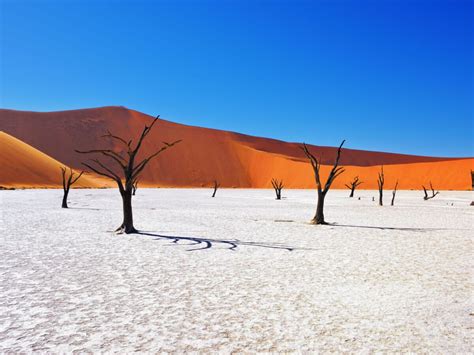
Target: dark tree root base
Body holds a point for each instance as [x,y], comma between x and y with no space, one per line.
[122,230]
[324,223]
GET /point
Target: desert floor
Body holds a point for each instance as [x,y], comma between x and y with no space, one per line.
[240,272]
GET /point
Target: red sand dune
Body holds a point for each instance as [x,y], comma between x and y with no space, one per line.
[234,159]
[24,166]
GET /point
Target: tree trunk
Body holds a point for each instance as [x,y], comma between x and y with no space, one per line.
[393,198]
[380,197]
[127,224]
[319,217]
[352,191]
[64,205]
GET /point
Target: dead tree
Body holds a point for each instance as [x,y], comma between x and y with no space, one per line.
[353,185]
[433,193]
[216,186]
[472,179]
[134,187]
[68,181]
[380,183]
[333,174]
[278,186]
[130,169]
[394,192]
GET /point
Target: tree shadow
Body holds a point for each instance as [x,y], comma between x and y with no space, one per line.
[407,229]
[207,243]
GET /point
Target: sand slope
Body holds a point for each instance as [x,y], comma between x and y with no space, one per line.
[447,175]
[24,166]
[236,160]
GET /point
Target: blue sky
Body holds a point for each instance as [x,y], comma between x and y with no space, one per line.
[386,75]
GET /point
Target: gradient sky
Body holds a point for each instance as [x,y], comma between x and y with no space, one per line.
[384,75]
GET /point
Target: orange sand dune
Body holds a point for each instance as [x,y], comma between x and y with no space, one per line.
[24,166]
[299,174]
[234,159]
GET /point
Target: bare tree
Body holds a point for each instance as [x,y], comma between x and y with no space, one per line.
[394,192]
[131,170]
[353,185]
[380,183]
[216,186]
[68,181]
[134,187]
[333,174]
[433,193]
[278,186]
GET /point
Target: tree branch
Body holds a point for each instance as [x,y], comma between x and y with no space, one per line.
[140,166]
[121,140]
[314,163]
[108,153]
[77,178]
[335,171]
[145,132]
[63,173]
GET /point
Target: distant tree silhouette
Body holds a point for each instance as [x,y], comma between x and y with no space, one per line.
[394,192]
[134,187]
[333,174]
[433,193]
[131,170]
[278,186]
[68,180]
[216,186]
[353,185]
[472,179]
[380,183]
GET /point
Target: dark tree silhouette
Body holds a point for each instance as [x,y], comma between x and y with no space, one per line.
[134,187]
[68,181]
[472,179]
[216,186]
[278,186]
[131,170]
[433,193]
[333,174]
[394,192]
[353,185]
[380,182]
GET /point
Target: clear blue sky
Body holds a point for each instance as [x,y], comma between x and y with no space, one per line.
[384,74]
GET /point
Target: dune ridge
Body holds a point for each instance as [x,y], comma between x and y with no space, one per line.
[236,160]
